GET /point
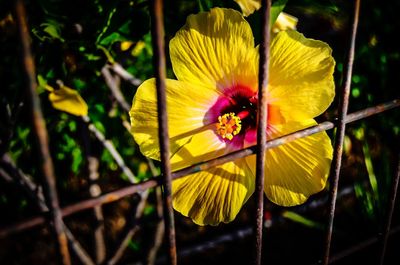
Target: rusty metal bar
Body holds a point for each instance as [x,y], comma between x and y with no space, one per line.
[262,116]
[389,215]
[157,36]
[40,132]
[338,150]
[155,181]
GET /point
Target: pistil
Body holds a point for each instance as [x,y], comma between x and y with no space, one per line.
[228,125]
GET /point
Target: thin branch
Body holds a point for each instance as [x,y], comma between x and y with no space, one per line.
[134,226]
[95,191]
[113,151]
[113,82]
[124,74]
[153,182]
[25,182]
[35,193]
[159,234]
[131,231]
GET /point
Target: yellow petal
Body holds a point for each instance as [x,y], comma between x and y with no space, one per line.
[126,45]
[215,49]
[215,195]
[249,6]
[68,100]
[296,170]
[140,45]
[301,80]
[203,145]
[187,106]
[284,22]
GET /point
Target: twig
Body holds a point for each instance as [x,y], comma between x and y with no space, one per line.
[16,175]
[113,83]
[41,136]
[134,226]
[159,234]
[119,70]
[79,251]
[110,147]
[12,173]
[95,191]
[131,231]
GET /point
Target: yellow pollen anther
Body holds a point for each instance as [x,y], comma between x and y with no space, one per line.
[229,125]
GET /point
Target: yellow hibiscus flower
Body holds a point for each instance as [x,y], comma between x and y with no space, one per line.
[212,111]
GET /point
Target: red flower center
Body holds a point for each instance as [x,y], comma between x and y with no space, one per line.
[235,115]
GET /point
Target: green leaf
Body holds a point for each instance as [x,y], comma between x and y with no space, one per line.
[77,158]
[53,30]
[276,8]
[49,30]
[204,5]
[370,169]
[295,217]
[112,38]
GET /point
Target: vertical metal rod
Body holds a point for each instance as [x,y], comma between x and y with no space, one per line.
[337,155]
[388,222]
[40,132]
[262,126]
[157,35]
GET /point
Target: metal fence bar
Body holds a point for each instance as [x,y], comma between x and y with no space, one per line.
[40,133]
[155,181]
[157,36]
[338,149]
[262,116]
[388,221]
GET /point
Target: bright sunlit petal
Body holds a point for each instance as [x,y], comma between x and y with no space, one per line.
[296,170]
[301,80]
[215,195]
[215,49]
[186,106]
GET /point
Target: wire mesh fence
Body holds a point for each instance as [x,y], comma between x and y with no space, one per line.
[54,216]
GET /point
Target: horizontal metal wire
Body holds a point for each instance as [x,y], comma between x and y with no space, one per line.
[155,181]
